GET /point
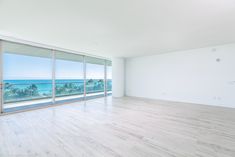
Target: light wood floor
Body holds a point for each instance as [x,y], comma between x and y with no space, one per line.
[125,127]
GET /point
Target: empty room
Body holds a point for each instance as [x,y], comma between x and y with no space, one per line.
[117,78]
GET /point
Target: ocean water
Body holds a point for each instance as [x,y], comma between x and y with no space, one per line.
[41,81]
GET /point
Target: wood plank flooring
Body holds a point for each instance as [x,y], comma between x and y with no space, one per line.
[125,127]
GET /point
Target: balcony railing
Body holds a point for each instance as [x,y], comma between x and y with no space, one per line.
[69,88]
[109,85]
[26,91]
[18,92]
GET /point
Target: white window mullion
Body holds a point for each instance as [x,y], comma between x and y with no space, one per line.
[53,76]
[1,78]
[105,78]
[84,76]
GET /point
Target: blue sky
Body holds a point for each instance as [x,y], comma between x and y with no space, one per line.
[28,67]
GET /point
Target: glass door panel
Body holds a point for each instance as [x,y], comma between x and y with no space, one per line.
[27,76]
[109,76]
[69,76]
[94,77]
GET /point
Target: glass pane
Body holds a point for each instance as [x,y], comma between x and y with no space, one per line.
[27,75]
[94,76]
[109,76]
[69,76]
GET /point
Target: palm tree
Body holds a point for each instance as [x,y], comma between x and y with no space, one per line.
[32,89]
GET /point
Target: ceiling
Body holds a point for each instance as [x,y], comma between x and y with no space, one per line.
[120,28]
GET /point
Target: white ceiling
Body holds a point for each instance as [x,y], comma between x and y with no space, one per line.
[120,28]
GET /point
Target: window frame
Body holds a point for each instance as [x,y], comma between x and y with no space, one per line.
[53,51]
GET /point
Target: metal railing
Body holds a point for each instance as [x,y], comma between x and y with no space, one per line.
[69,88]
[18,92]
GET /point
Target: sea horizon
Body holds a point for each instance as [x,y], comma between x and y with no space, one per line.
[45,80]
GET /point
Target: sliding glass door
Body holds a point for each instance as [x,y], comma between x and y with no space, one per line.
[69,76]
[95,77]
[27,75]
[34,76]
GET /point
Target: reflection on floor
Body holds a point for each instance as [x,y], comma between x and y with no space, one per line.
[127,127]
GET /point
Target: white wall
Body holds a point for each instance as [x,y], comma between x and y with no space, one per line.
[118,77]
[186,76]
